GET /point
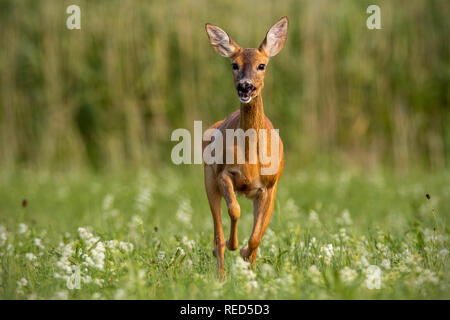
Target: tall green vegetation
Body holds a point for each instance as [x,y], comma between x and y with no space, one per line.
[111,93]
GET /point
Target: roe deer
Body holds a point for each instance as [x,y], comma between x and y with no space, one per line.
[224,179]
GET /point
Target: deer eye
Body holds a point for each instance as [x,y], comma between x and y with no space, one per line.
[235,66]
[261,66]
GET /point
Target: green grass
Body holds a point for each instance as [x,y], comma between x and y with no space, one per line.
[391,238]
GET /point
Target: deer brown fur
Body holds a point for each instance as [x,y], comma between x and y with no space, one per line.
[224,180]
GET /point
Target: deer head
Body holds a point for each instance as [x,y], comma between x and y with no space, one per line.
[249,64]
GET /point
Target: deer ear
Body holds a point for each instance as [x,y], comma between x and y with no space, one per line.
[221,42]
[275,38]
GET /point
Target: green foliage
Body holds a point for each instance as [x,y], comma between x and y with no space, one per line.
[109,94]
[149,235]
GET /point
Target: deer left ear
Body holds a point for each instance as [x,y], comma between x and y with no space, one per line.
[275,38]
[221,42]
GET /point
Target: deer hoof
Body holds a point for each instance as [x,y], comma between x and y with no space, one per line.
[243,252]
[221,274]
[232,245]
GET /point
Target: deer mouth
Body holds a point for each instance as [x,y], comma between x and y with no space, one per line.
[245,97]
[245,91]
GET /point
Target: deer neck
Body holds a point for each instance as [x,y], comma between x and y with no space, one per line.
[252,114]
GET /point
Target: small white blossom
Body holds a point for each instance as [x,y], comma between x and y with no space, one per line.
[184,212]
[386,264]
[30,256]
[120,294]
[188,243]
[373,277]
[3,235]
[315,274]
[241,269]
[144,199]
[23,228]
[348,275]
[61,295]
[313,217]
[327,253]
[345,218]
[443,253]
[22,283]
[108,201]
[38,243]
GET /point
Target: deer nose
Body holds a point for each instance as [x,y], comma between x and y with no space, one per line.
[245,86]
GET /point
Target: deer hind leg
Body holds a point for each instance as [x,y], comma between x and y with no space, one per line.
[214,198]
[234,210]
[262,212]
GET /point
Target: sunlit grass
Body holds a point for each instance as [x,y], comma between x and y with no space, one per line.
[148,235]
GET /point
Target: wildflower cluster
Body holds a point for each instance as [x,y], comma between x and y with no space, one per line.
[84,257]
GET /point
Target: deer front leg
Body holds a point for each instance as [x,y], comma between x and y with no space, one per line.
[234,210]
[214,197]
[262,212]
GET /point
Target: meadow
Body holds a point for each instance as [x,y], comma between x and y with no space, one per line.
[92,207]
[147,234]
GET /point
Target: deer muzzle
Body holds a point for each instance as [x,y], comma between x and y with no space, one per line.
[245,91]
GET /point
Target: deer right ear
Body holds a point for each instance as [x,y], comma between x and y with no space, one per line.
[220,41]
[275,38]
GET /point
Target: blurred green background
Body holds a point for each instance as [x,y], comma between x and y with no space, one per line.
[110,94]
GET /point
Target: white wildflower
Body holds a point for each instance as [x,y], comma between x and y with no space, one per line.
[273,249]
[386,264]
[267,270]
[348,275]
[136,222]
[23,228]
[291,207]
[327,253]
[373,277]
[99,282]
[126,246]
[97,296]
[30,256]
[120,294]
[253,284]
[363,262]
[343,235]
[32,296]
[432,236]
[179,252]
[3,235]
[443,253]
[108,201]
[184,212]
[314,217]
[241,269]
[61,295]
[270,236]
[315,274]
[144,199]
[344,218]
[426,276]
[188,243]
[74,281]
[38,243]
[79,257]
[22,283]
